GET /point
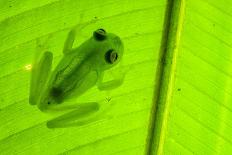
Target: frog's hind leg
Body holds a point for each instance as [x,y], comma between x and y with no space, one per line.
[84,114]
[40,73]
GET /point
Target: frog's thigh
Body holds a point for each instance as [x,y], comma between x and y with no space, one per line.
[39,76]
[82,115]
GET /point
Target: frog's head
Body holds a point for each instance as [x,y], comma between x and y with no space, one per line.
[109,49]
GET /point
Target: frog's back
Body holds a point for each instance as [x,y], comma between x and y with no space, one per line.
[72,72]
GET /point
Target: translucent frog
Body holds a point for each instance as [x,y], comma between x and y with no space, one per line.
[80,69]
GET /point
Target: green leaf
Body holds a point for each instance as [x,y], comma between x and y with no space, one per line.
[192,103]
[176,98]
[23,127]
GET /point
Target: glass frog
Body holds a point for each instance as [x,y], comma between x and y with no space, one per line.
[79,69]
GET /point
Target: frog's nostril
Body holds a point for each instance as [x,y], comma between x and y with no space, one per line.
[99,34]
[49,102]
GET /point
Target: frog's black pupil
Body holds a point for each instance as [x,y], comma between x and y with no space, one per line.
[111,56]
[99,34]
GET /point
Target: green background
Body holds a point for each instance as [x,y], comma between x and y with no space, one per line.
[198,119]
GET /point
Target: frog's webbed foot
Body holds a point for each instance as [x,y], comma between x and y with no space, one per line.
[76,30]
[40,71]
[84,114]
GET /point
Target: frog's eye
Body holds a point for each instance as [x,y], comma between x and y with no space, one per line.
[111,56]
[99,34]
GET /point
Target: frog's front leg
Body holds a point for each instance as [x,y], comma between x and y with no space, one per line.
[39,76]
[110,84]
[72,36]
[83,114]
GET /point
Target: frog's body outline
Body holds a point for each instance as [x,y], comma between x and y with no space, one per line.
[80,69]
